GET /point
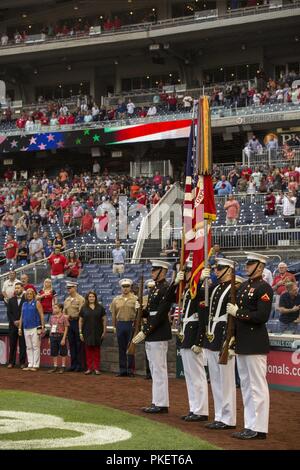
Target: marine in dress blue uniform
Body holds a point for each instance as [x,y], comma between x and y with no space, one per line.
[191,336]
[156,333]
[222,377]
[252,311]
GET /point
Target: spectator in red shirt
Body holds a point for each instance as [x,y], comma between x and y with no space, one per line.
[247,172]
[44,120]
[157,179]
[57,263]
[62,120]
[11,248]
[21,122]
[172,102]
[142,112]
[117,23]
[87,222]
[67,218]
[34,203]
[108,25]
[270,203]
[279,281]
[141,198]
[47,297]
[70,119]
[25,282]
[8,174]
[73,267]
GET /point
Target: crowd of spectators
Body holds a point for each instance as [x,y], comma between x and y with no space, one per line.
[58,113]
[82,204]
[266,91]
[279,184]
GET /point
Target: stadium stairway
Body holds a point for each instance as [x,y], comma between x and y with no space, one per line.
[151,249]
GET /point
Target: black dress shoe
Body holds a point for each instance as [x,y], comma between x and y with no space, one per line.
[121,374]
[185,416]
[193,417]
[156,409]
[130,374]
[148,377]
[70,369]
[219,425]
[246,434]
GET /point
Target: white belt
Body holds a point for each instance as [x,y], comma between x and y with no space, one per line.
[153,313]
[222,318]
[194,317]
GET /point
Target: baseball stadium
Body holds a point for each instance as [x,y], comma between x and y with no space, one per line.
[150,226]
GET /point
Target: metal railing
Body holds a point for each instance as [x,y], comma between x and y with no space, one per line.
[271,157]
[37,271]
[198,17]
[101,253]
[216,113]
[244,198]
[240,237]
[150,226]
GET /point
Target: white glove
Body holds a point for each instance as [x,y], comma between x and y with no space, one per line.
[114,330]
[231,309]
[137,305]
[205,274]
[179,277]
[139,338]
[196,349]
[231,353]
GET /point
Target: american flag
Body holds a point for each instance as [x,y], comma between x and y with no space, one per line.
[199,201]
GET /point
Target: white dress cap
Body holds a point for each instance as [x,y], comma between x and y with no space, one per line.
[224,262]
[251,256]
[156,263]
[125,282]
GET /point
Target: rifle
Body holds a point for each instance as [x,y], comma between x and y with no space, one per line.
[223,359]
[176,324]
[138,318]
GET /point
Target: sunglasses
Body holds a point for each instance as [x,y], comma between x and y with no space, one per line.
[125,286]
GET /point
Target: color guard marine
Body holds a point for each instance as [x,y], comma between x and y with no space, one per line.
[156,333]
[251,313]
[191,339]
[222,377]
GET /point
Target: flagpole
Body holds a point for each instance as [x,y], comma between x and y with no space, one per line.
[205,226]
[206,260]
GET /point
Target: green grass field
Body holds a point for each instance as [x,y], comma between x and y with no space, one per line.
[88,424]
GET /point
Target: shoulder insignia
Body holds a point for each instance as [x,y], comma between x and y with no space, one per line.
[265,298]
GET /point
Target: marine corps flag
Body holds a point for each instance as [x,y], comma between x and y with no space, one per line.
[199,203]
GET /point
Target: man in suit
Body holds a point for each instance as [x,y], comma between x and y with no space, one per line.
[252,311]
[14,309]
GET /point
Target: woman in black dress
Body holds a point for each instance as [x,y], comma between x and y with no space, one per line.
[92,329]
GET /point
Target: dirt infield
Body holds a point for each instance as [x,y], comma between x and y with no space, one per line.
[131,394]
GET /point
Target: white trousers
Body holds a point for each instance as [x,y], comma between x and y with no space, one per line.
[255,391]
[196,381]
[33,347]
[157,356]
[222,381]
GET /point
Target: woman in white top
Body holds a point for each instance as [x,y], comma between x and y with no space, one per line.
[251,186]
